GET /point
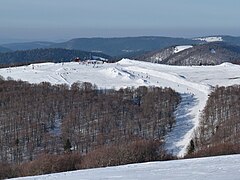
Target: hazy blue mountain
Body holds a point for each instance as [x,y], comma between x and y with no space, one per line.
[27,45]
[3,49]
[120,47]
[124,47]
[232,40]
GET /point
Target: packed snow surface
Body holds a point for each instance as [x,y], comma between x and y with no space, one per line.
[178,49]
[210,39]
[194,83]
[212,168]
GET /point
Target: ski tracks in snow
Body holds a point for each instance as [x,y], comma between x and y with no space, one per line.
[184,123]
[193,100]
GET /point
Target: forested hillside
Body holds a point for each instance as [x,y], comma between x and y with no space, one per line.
[45,119]
[43,55]
[213,53]
[219,131]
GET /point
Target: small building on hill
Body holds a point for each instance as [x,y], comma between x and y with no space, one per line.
[77,59]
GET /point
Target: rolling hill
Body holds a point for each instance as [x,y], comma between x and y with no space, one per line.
[212,53]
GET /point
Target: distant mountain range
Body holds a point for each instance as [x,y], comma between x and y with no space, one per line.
[4,49]
[123,47]
[212,53]
[141,47]
[120,47]
[28,45]
[43,55]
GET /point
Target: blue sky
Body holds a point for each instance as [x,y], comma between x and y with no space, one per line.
[65,19]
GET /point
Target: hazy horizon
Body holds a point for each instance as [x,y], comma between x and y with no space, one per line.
[59,40]
[59,20]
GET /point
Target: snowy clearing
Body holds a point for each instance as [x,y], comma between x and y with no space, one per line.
[193,83]
[212,168]
[178,49]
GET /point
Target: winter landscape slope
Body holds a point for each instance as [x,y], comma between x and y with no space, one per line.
[214,168]
[193,83]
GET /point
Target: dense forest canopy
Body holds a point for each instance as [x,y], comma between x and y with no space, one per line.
[42,118]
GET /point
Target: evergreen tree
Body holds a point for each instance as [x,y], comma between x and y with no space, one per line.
[191,147]
[67,146]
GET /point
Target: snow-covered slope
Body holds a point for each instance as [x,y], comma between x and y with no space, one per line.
[212,168]
[178,49]
[193,83]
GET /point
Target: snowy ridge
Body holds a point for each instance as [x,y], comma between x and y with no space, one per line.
[193,83]
[210,39]
[214,168]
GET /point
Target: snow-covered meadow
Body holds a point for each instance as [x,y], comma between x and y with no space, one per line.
[194,83]
[212,168]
